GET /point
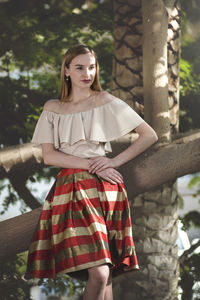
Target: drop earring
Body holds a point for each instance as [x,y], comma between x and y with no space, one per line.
[67,78]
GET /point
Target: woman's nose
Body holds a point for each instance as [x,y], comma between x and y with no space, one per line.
[86,72]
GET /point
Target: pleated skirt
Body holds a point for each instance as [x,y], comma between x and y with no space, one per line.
[85,222]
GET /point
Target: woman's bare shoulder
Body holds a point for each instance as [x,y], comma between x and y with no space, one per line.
[52,105]
[105,97]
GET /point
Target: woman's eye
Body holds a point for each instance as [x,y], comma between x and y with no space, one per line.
[80,68]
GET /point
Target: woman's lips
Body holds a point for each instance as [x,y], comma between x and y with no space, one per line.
[86,81]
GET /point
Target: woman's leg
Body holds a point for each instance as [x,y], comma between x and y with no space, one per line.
[97,283]
[108,292]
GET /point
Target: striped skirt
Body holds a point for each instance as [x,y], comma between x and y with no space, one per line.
[85,222]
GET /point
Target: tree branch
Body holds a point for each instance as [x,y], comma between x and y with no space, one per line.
[162,164]
[19,184]
[186,253]
[18,232]
[19,158]
[16,162]
[158,165]
[26,157]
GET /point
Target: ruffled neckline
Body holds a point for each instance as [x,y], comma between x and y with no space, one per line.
[88,110]
[100,124]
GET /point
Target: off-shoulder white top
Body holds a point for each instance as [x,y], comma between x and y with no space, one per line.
[88,133]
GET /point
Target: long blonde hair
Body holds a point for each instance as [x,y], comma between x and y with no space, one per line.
[69,55]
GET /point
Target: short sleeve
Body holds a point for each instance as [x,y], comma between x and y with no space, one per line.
[43,132]
[114,120]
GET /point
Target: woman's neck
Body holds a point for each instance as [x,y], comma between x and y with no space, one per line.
[77,95]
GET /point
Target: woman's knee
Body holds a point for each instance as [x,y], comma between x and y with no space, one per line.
[99,275]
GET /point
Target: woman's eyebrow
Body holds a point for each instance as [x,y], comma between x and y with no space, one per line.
[78,65]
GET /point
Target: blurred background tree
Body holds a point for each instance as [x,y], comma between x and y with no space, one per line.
[12,286]
[33,37]
[190,66]
[189,119]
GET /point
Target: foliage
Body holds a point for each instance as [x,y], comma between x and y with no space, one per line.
[62,285]
[10,198]
[195,181]
[30,60]
[189,118]
[192,218]
[190,100]
[188,83]
[32,53]
[189,92]
[12,286]
[190,66]
[34,36]
[191,9]
[190,274]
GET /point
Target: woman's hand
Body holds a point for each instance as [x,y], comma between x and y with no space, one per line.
[111,175]
[100,163]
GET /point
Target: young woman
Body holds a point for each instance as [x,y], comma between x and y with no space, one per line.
[85,226]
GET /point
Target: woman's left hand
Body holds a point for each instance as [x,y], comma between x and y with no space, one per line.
[100,163]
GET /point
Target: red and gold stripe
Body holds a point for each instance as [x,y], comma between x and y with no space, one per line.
[85,222]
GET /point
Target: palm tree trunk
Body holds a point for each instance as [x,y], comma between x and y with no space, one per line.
[145,32]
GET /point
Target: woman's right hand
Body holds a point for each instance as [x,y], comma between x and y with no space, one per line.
[111,175]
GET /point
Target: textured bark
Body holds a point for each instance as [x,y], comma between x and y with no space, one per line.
[155,76]
[154,213]
[16,233]
[173,66]
[127,60]
[162,165]
[154,218]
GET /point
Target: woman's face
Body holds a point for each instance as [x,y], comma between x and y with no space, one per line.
[82,70]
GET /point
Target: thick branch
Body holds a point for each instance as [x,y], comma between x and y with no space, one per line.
[15,163]
[21,157]
[151,169]
[18,232]
[186,253]
[26,157]
[19,184]
[162,164]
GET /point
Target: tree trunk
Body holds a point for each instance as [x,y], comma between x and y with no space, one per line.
[154,213]
[155,75]
[173,66]
[127,62]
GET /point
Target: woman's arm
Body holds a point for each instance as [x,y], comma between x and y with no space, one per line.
[57,158]
[147,137]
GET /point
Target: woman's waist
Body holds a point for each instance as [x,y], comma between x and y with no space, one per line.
[83,150]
